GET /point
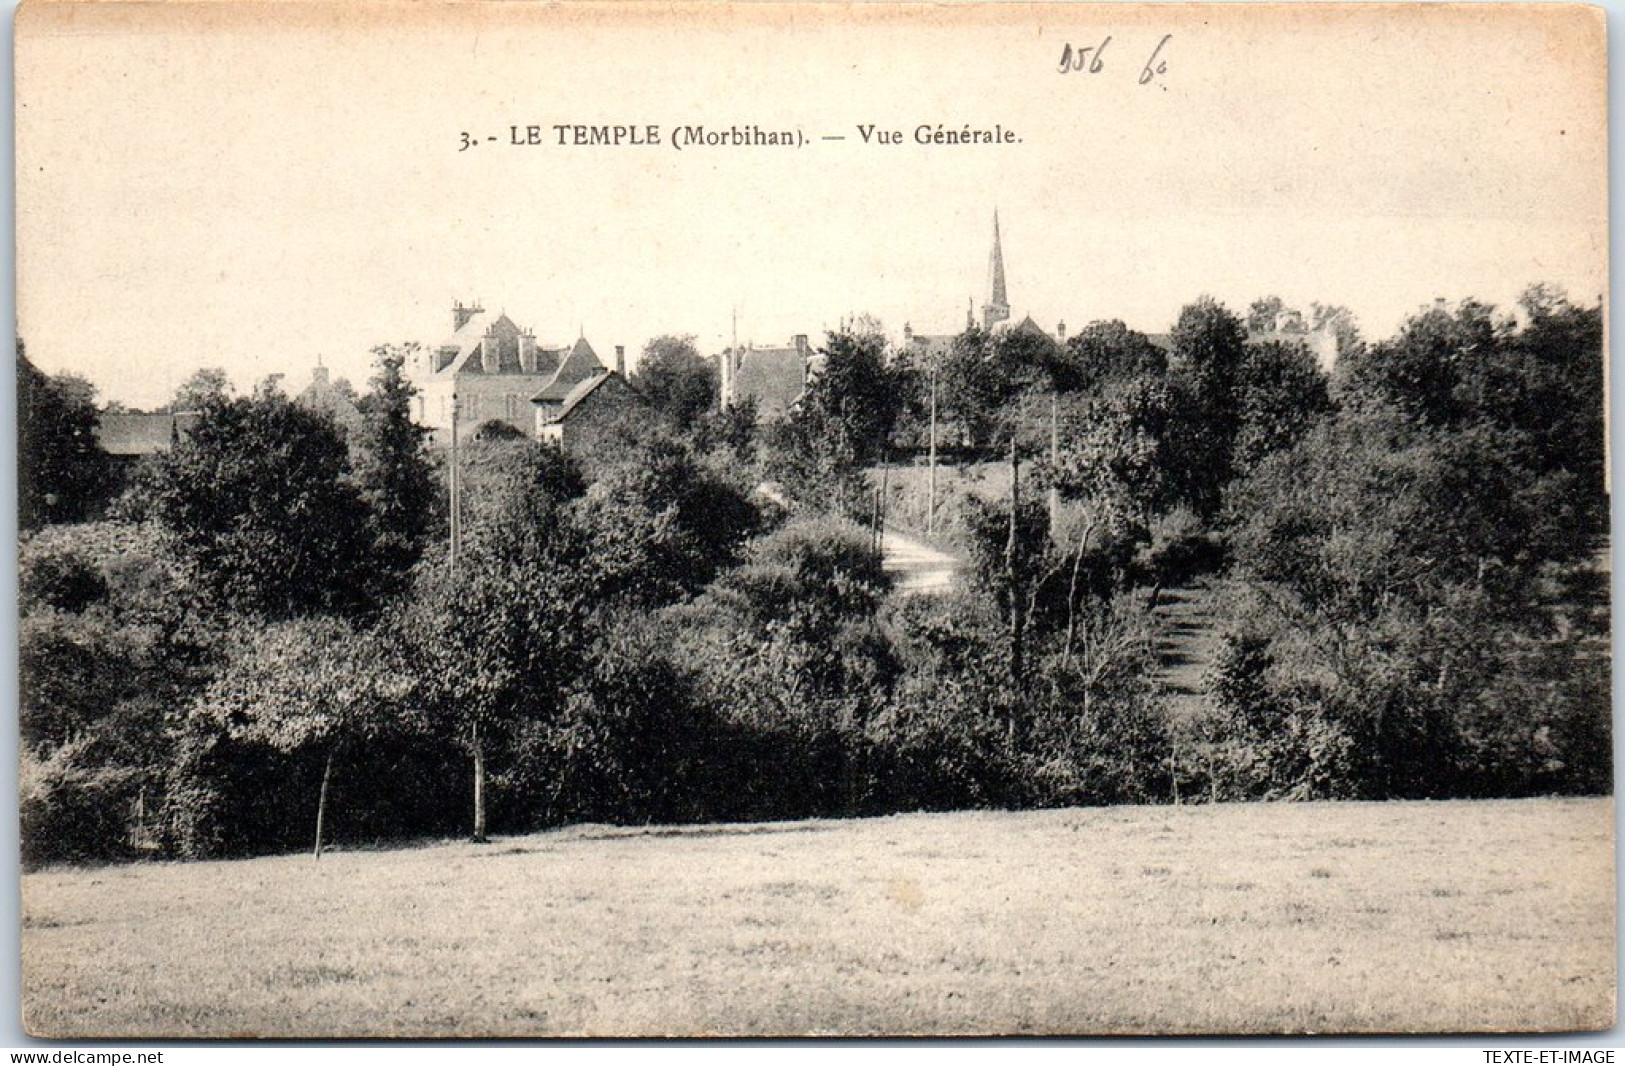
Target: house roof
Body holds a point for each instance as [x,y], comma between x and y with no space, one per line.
[464,346]
[775,377]
[141,434]
[575,396]
[580,364]
[1027,325]
[931,345]
[465,342]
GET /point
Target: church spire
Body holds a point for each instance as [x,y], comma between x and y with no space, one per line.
[997,308]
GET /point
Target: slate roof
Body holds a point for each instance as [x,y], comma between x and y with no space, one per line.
[141,434]
[776,377]
[932,345]
[579,364]
[1031,328]
[464,344]
[573,398]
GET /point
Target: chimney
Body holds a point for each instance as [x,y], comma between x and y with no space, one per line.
[620,359]
[1060,332]
[801,344]
[461,313]
[527,352]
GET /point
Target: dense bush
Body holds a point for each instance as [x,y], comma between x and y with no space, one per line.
[1404,622]
[111,649]
[74,808]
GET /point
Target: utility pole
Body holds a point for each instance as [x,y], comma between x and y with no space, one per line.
[726,399]
[456,487]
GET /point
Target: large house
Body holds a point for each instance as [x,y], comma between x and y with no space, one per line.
[494,369]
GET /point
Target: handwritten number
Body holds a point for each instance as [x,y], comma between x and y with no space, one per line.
[468,142]
[1152,67]
[1081,59]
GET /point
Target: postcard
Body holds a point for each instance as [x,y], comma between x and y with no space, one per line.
[806,519]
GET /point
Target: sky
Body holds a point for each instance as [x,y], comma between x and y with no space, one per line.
[257,187]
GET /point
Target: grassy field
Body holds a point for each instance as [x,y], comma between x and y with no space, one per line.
[1298,918]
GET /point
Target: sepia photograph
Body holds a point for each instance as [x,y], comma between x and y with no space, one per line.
[743,520]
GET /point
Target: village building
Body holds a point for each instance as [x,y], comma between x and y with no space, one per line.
[494,369]
[129,436]
[335,399]
[1291,329]
[576,420]
[774,378]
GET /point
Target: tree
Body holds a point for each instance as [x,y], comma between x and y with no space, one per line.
[1391,590]
[393,470]
[854,395]
[62,473]
[662,526]
[1119,451]
[789,649]
[111,647]
[987,377]
[1430,369]
[207,387]
[1209,344]
[842,424]
[971,388]
[497,640]
[676,379]
[497,429]
[1281,392]
[309,684]
[259,494]
[1555,392]
[1108,352]
[731,433]
[75,389]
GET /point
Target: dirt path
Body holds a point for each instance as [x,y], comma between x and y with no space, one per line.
[1187,641]
[917,567]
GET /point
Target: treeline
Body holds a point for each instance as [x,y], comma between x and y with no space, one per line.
[265,633]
